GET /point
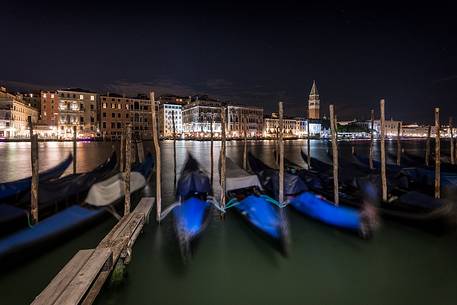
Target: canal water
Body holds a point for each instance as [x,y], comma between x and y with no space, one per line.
[232,264]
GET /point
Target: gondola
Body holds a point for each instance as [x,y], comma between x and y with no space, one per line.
[316,164]
[60,226]
[417,209]
[244,194]
[404,161]
[110,191]
[346,171]
[9,191]
[419,161]
[361,221]
[72,188]
[406,206]
[419,178]
[54,195]
[364,164]
[410,178]
[192,213]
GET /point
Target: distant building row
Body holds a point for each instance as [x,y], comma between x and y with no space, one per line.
[361,129]
[56,113]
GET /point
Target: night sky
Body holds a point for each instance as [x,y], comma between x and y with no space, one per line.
[253,53]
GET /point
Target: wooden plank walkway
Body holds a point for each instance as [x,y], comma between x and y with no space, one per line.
[82,278]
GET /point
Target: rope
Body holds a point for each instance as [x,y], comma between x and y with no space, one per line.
[213,201]
[28,220]
[168,210]
[275,202]
[230,204]
[113,212]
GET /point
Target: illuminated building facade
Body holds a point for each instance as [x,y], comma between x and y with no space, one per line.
[166,114]
[118,110]
[49,114]
[235,121]
[14,116]
[32,99]
[198,114]
[271,126]
[77,107]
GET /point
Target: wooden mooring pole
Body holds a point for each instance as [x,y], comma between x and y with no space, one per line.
[277,143]
[133,148]
[281,153]
[212,148]
[308,145]
[222,159]
[371,140]
[383,153]
[155,138]
[333,126]
[35,173]
[437,154]
[128,156]
[245,148]
[398,143]
[451,127]
[427,146]
[122,152]
[74,149]
[174,143]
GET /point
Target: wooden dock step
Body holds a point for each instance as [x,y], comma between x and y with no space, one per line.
[82,278]
[74,280]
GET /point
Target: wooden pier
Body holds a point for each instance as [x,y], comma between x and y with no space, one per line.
[82,278]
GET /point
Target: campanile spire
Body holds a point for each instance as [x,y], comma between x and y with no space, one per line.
[313,103]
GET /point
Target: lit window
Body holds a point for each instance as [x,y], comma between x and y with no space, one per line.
[52,95]
[118,106]
[92,98]
[104,105]
[31,95]
[81,97]
[44,95]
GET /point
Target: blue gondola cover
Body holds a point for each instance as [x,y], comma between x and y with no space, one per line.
[262,214]
[48,229]
[190,216]
[318,208]
[193,182]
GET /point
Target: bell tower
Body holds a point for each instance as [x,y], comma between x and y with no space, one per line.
[313,103]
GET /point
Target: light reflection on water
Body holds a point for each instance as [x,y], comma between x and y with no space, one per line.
[232,265]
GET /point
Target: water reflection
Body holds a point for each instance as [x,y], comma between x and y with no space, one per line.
[232,264]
